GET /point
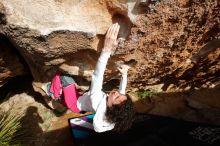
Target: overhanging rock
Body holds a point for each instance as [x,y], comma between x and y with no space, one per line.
[56,34]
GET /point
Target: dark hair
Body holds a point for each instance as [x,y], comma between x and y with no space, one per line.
[121,114]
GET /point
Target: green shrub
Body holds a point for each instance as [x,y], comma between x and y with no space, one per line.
[144,93]
[11,132]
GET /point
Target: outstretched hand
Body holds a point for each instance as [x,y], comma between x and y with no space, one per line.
[111,38]
[123,68]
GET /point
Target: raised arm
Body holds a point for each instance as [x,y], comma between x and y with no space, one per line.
[123,83]
[109,44]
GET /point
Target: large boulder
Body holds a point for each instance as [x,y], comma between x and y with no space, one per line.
[11,64]
[176,43]
[177,46]
[66,35]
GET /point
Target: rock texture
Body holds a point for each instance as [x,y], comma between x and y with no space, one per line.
[61,34]
[176,43]
[10,63]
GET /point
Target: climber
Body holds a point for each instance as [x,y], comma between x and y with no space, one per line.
[113,111]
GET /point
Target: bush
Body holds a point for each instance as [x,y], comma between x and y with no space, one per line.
[143,94]
[11,132]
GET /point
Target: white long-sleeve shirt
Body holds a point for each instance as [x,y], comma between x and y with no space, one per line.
[95,99]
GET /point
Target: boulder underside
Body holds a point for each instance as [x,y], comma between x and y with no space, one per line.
[176,43]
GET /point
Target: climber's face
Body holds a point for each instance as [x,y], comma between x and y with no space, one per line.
[115,98]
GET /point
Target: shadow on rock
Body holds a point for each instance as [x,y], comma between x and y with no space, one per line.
[202,106]
[59,137]
[18,85]
[30,123]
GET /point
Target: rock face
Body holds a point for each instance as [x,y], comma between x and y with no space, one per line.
[10,63]
[57,34]
[176,43]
